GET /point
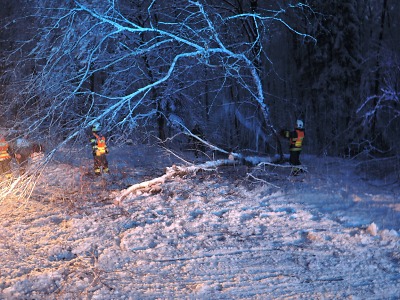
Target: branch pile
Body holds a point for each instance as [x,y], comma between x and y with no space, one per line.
[153,185]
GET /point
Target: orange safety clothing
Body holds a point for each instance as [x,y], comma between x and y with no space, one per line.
[4,147]
[100,147]
[297,141]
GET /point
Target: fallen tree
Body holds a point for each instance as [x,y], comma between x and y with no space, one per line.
[154,185]
[234,159]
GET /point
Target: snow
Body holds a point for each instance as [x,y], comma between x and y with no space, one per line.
[328,234]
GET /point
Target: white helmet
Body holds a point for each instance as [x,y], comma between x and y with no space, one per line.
[299,124]
[96,127]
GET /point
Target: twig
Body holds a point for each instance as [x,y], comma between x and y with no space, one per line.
[177,156]
[261,180]
[261,164]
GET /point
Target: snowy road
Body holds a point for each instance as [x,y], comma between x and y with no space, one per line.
[203,237]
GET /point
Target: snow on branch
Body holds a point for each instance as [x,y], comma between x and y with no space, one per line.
[277,15]
[195,46]
[387,101]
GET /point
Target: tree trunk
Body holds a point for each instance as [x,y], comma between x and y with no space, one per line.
[377,74]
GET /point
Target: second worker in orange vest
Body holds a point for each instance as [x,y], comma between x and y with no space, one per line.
[5,157]
[99,150]
[296,142]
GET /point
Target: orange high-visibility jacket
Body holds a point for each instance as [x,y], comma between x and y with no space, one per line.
[99,145]
[296,140]
[4,149]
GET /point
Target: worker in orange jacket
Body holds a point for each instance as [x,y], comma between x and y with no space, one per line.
[5,157]
[99,150]
[296,142]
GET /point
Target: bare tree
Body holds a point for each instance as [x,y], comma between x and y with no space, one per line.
[130,63]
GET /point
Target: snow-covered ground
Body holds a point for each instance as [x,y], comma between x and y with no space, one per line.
[329,234]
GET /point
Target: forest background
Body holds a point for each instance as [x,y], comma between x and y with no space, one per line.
[150,70]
